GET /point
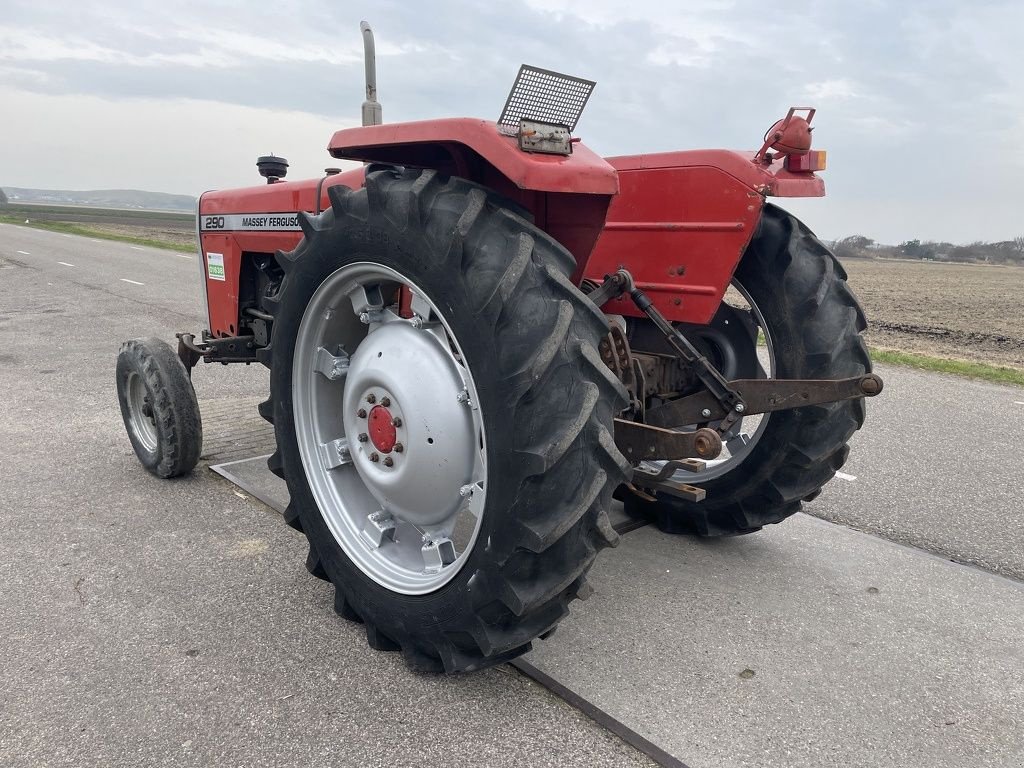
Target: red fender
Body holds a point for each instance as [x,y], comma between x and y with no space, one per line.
[681,223]
[567,194]
[457,145]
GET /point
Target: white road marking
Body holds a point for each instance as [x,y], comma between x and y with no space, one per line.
[64,263]
[1018,402]
[136,248]
[183,256]
[24,253]
[133,282]
[93,240]
[65,235]
[844,476]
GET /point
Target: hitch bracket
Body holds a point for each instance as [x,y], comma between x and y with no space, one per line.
[765,396]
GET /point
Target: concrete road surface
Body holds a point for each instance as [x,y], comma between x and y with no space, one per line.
[173,622]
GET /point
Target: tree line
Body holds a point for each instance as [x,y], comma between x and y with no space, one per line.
[1001,252]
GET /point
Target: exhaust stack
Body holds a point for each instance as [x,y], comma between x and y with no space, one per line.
[372,114]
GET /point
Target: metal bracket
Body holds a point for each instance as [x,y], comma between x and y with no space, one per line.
[335,453]
[189,353]
[764,396]
[331,366]
[379,526]
[616,354]
[662,480]
[642,442]
[544,138]
[229,349]
[668,469]
[437,553]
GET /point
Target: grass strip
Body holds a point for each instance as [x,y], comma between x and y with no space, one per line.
[115,215]
[995,373]
[86,231]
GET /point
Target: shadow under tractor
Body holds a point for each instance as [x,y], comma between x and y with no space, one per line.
[486,332]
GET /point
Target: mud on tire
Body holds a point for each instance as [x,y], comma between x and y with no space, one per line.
[816,322]
[547,402]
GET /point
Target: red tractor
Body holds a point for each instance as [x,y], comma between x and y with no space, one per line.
[487,331]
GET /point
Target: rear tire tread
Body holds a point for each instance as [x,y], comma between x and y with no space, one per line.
[550,537]
[801,449]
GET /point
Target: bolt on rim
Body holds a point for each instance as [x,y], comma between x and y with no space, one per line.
[388,428]
[140,412]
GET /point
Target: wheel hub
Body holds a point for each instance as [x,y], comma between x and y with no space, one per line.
[389,429]
[382,428]
[419,438]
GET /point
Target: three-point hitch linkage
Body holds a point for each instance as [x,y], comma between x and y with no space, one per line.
[721,402]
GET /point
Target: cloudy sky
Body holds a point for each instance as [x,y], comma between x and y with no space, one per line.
[921,104]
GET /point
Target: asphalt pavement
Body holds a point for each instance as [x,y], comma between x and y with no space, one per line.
[939,466]
[147,622]
[173,622]
[807,645]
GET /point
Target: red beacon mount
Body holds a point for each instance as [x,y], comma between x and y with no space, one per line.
[790,139]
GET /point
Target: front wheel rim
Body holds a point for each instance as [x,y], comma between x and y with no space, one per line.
[140,412]
[388,427]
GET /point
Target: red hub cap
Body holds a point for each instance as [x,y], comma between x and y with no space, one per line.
[382,429]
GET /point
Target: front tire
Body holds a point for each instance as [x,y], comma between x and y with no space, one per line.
[815,323]
[159,407]
[522,338]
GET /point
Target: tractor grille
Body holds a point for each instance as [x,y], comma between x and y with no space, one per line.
[545,96]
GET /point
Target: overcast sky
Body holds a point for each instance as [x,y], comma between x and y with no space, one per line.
[921,104]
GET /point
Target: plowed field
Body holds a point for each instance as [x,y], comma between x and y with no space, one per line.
[963,311]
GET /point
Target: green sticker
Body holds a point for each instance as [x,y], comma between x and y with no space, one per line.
[215,266]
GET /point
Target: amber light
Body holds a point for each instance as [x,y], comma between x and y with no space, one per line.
[809,162]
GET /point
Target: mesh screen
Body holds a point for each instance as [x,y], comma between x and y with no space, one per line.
[549,97]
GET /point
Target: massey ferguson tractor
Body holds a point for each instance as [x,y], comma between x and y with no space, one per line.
[486,332]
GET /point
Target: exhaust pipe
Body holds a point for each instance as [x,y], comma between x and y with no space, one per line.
[372,114]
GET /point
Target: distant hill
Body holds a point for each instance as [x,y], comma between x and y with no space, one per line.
[104,198]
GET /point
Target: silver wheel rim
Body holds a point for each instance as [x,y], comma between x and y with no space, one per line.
[747,432]
[389,429]
[140,412]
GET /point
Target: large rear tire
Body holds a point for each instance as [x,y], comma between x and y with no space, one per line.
[522,338]
[814,324]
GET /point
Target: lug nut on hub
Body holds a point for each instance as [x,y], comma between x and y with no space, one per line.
[371,398]
[374,457]
[361,413]
[388,461]
[398,448]
[363,437]
[396,422]
[385,401]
